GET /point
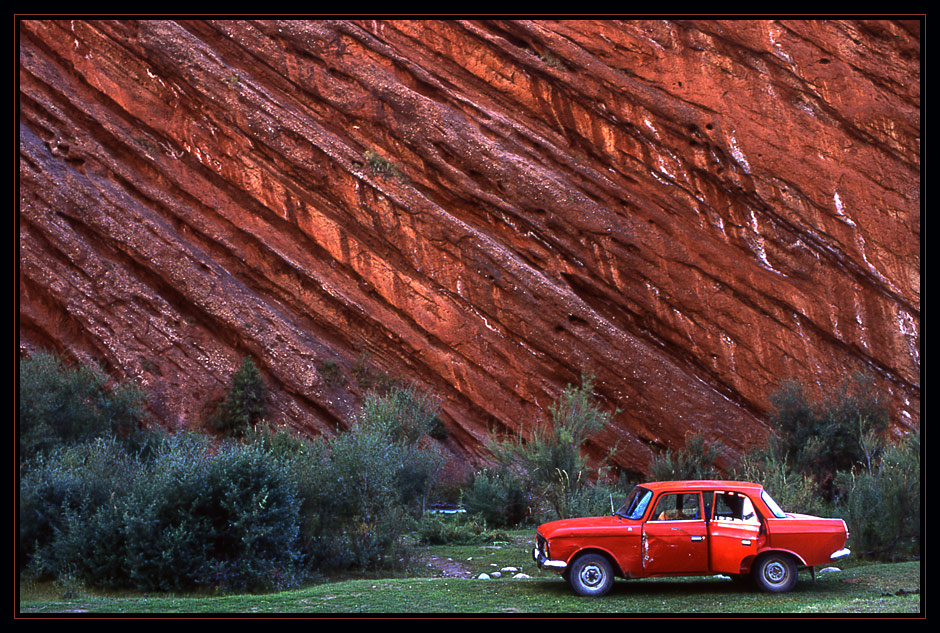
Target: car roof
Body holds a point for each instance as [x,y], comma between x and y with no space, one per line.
[703,484]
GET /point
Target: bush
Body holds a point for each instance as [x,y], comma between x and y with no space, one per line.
[187,512]
[830,457]
[793,491]
[837,433]
[64,486]
[499,497]
[59,403]
[697,460]
[372,482]
[547,469]
[192,516]
[457,529]
[882,506]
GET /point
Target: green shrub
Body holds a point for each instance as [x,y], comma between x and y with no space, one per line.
[499,497]
[457,529]
[373,481]
[59,403]
[192,516]
[380,165]
[836,433]
[829,457]
[63,487]
[547,471]
[882,506]
[697,460]
[793,491]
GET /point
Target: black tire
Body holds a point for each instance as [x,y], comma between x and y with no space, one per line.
[775,573]
[591,575]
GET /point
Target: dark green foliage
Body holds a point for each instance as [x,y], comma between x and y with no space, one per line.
[837,433]
[499,496]
[793,491]
[187,512]
[697,460]
[331,372]
[380,165]
[882,506]
[59,403]
[831,457]
[244,404]
[457,529]
[191,516]
[548,471]
[371,482]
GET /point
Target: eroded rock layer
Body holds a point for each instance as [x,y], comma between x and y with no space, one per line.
[691,211]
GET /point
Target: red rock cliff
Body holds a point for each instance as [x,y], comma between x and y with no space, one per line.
[689,210]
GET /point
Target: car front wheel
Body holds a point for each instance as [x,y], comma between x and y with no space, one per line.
[591,575]
[775,573]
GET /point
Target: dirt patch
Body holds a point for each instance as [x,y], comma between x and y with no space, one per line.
[445,567]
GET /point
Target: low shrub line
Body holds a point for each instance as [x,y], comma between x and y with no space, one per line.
[105,503]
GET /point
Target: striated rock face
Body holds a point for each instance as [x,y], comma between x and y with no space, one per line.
[691,211]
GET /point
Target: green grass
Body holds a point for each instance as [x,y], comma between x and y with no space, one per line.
[877,588]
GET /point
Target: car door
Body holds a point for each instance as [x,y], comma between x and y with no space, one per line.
[733,532]
[674,537]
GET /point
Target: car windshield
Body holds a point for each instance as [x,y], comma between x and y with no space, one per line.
[635,505]
[780,514]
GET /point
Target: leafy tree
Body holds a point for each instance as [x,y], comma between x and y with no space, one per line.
[882,504]
[831,456]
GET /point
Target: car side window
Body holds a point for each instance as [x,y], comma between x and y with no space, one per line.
[678,507]
[732,506]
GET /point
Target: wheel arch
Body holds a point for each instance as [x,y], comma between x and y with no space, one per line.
[615,565]
[797,559]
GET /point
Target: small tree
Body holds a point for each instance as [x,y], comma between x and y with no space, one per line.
[244,405]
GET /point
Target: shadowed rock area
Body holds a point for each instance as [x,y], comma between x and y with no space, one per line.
[691,211]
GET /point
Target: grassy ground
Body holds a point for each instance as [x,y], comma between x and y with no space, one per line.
[443,580]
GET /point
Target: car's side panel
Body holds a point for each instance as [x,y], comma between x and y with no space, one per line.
[731,544]
[813,540]
[675,547]
[623,548]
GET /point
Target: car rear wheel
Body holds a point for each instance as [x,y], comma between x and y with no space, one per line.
[591,575]
[775,573]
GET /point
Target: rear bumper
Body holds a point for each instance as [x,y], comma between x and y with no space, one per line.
[840,554]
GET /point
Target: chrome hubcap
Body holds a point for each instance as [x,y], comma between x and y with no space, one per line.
[592,575]
[775,572]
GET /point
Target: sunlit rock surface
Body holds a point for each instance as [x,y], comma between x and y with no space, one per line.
[691,211]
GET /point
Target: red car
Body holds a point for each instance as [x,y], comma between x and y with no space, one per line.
[687,528]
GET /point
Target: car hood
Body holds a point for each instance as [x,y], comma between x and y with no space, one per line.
[585,525]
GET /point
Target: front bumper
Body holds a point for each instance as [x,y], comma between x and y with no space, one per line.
[544,562]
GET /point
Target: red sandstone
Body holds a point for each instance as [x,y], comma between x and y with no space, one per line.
[691,211]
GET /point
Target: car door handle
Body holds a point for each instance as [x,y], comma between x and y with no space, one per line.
[746,542]
[696,539]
